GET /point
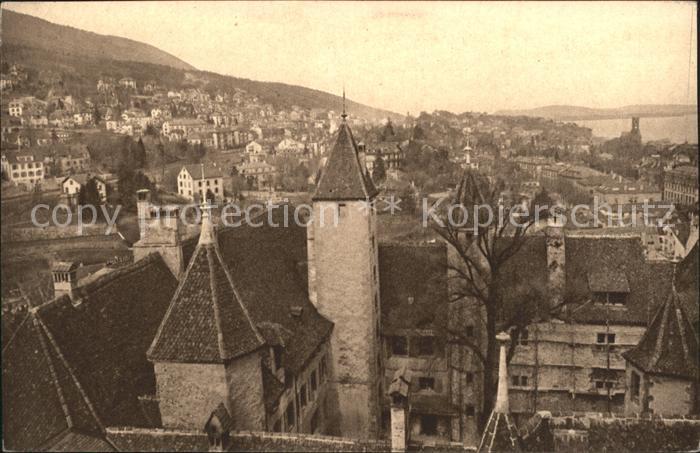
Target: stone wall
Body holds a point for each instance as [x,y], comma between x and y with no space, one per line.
[347,294]
[245,400]
[189,392]
[617,434]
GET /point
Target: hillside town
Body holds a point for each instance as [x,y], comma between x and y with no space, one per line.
[136,317]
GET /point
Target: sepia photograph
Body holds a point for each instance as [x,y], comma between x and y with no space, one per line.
[337,226]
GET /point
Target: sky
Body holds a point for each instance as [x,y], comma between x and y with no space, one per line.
[412,57]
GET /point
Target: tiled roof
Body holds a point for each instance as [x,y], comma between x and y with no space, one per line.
[266,265]
[413,285]
[210,171]
[587,259]
[611,281]
[343,177]
[81,362]
[618,257]
[41,399]
[669,346]
[206,321]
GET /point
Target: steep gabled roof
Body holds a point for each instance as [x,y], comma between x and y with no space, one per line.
[267,264]
[409,302]
[669,346]
[343,178]
[71,368]
[206,321]
[41,400]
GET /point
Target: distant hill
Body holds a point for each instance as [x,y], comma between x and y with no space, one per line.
[22,29]
[80,58]
[571,112]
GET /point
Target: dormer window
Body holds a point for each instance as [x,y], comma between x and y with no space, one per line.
[609,286]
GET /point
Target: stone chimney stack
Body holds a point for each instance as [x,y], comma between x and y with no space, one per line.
[64,278]
[556,258]
[159,228]
[399,392]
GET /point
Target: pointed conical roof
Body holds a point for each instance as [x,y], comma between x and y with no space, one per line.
[343,177]
[669,346]
[206,321]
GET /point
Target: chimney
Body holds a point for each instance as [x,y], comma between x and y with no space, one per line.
[159,228]
[399,392]
[143,204]
[556,258]
[64,278]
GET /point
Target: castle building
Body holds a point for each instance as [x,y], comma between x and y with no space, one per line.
[344,285]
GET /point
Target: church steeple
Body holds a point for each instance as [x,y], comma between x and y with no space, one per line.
[344,114]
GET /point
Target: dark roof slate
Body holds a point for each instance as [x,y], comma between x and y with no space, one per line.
[343,177]
[413,285]
[266,264]
[206,321]
[670,345]
[80,363]
[616,257]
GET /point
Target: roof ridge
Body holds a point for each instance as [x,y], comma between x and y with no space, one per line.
[178,290]
[236,294]
[72,375]
[215,300]
[14,334]
[663,330]
[54,377]
[112,276]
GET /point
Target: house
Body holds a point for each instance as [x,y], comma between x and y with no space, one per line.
[83,118]
[414,324]
[259,175]
[608,291]
[681,186]
[195,181]
[186,125]
[23,168]
[16,107]
[289,146]
[71,185]
[127,82]
[71,159]
[254,149]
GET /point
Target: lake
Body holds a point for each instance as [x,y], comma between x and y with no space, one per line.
[678,129]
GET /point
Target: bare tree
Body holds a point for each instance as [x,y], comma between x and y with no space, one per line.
[486,231]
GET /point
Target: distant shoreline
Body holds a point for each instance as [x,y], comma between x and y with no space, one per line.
[624,117]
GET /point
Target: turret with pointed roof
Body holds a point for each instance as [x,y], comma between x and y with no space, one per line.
[205,340]
[343,178]
[662,370]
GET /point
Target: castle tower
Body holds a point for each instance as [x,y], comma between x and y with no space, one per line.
[346,286]
[207,346]
[159,230]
